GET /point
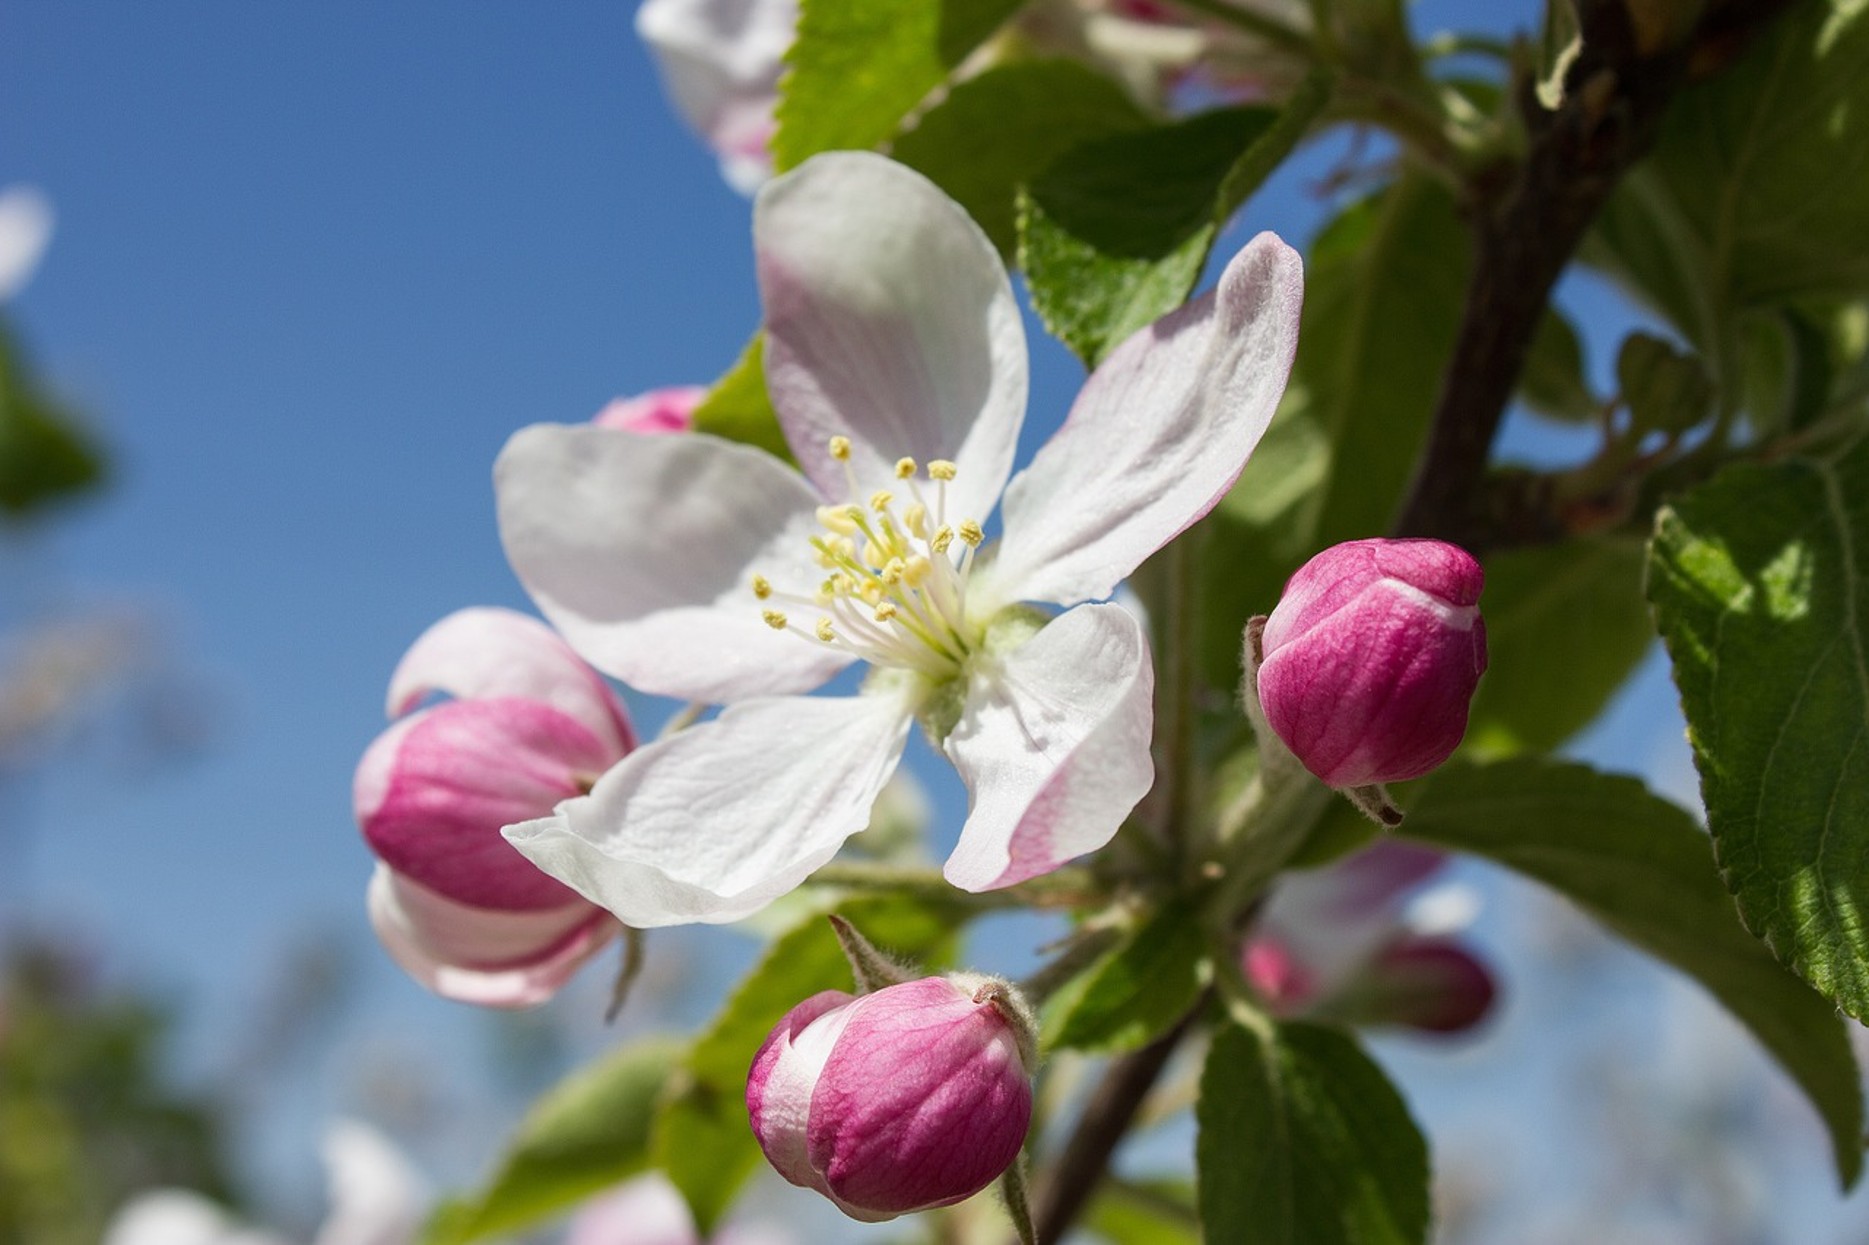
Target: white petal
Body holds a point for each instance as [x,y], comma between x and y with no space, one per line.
[473,955]
[645,1211]
[641,551]
[1054,747]
[721,61]
[25,228]
[486,651]
[1156,438]
[179,1217]
[376,1197]
[889,320]
[716,822]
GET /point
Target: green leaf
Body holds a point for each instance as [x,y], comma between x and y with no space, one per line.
[994,132]
[702,1137]
[1565,626]
[1760,581]
[1553,381]
[588,1133]
[1138,991]
[44,453]
[1758,184]
[1303,1141]
[1151,1213]
[1115,234]
[1644,869]
[858,67]
[738,408]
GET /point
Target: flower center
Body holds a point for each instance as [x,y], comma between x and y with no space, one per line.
[895,588]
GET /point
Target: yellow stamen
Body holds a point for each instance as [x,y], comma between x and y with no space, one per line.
[971,533]
[840,449]
[885,611]
[915,519]
[762,587]
[825,632]
[873,556]
[915,570]
[774,619]
[837,518]
[892,571]
[941,469]
[905,467]
[880,499]
[943,537]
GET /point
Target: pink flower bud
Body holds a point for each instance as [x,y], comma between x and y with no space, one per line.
[1371,657]
[915,1096]
[658,411]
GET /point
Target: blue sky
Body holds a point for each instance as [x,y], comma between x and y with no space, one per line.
[314,263]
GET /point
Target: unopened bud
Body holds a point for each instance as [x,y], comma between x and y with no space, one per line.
[1371,657]
[915,1096]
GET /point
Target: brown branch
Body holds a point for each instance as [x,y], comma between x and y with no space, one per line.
[1067,1188]
[1528,220]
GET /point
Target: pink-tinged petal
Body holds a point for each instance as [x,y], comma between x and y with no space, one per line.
[923,1101]
[472,955]
[487,651]
[645,1211]
[434,790]
[783,1078]
[1054,747]
[1158,435]
[715,822]
[1278,975]
[641,550]
[376,1197]
[1434,985]
[890,321]
[660,410]
[25,229]
[720,62]
[1377,878]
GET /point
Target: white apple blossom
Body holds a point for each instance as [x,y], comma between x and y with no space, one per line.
[694,567]
[25,229]
[721,61]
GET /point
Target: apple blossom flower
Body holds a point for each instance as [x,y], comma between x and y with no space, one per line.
[659,410]
[915,1096]
[1371,657]
[708,570]
[720,62]
[25,229]
[529,726]
[650,1211]
[1360,942]
[376,1199]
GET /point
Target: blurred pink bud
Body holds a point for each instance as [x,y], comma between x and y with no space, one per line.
[1432,984]
[530,726]
[915,1096]
[659,410]
[1371,657]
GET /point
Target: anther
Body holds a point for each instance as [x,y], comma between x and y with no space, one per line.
[880,499]
[885,611]
[824,630]
[892,571]
[762,587]
[915,519]
[971,533]
[837,519]
[943,537]
[775,619]
[941,469]
[915,570]
[840,449]
[905,467]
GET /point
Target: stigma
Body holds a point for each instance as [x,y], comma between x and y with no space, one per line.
[896,573]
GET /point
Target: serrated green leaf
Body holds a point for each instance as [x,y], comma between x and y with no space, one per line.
[1116,232]
[1303,1141]
[1642,867]
[1565,627]
[738,407]
[1758,183]
[857,67]
[702,1137]
[585,1135]
[1760,582]
[45,454]
[994,132]
[1138,991]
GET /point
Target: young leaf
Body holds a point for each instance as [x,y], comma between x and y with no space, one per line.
[1116,232]
[44,454]
[1565,626]
[1155,1213]
[1003,128]
[1642,867]
[1138,991]
[859,66]
[702,1137]
[1303,1141]
[1553,382]
[1760,582]
[588,1133]
[738,408]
